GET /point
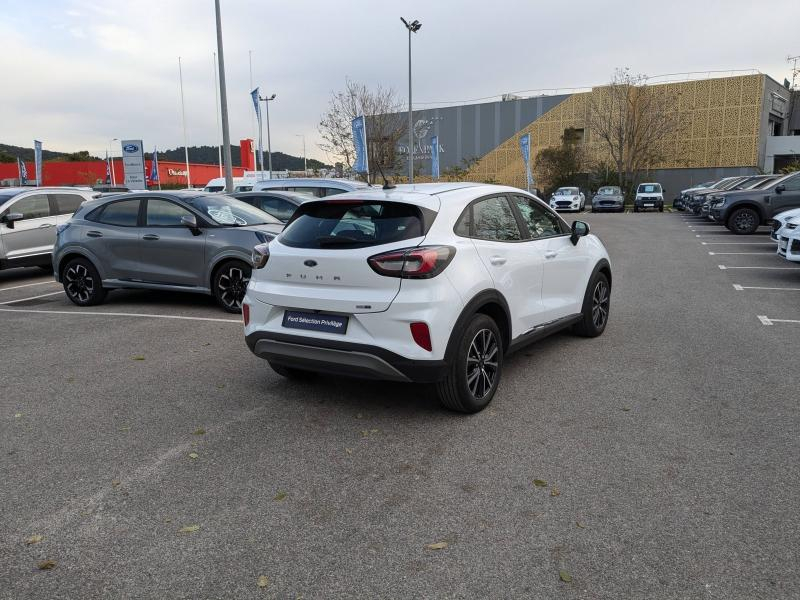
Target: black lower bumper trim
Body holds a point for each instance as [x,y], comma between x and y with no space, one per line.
[342,358]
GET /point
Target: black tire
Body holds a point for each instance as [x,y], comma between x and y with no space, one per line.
[82,283]
[230,284]
[661,208]
[464,388]
[744,221]
[290,372]
[635,208]
[596,307]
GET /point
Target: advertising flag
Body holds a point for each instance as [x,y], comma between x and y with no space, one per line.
[154,169]
[525,147]
[37,155]
[361,164]
[108,170]
[435,157]
[23,171]
[257,106]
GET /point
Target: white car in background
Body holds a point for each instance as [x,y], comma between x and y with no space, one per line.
[789,239]
[568,198]
[779,220]
[430,283]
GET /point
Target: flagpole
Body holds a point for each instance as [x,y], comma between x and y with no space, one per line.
[183,115]
[252,121]
[216,104]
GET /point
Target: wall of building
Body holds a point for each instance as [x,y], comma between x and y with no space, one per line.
[720,127]
[91,172]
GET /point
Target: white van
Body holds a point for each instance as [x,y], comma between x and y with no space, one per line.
[240,184]
[318,188]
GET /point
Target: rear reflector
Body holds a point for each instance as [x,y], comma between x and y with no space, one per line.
[421,335]
[246,314]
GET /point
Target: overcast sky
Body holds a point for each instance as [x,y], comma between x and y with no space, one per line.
[78,72]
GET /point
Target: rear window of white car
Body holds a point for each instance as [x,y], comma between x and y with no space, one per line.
[342,224]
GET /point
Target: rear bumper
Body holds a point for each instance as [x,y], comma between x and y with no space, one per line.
[342,358]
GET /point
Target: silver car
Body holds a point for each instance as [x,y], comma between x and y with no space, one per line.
[182,241]
[317,188]
[28,220]
[609,197]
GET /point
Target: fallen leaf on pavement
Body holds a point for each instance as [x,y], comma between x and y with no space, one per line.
[34,539]
[137,357]
[625,408]
[199,431]
[564,576]
[539,483]
[115,482]
[280,496]
[17,415]
[189,529]
[579,524]
[348,450]
[262,581]
[46,565]
[555,491]
[436,546]
[193,455]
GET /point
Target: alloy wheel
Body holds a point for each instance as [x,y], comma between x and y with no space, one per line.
[80,283]
[600,302]
[232,286]
[744,221]
[482,363]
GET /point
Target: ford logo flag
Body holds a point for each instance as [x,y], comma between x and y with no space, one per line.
[130,148]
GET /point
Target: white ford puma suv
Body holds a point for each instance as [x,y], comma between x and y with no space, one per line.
[430,283]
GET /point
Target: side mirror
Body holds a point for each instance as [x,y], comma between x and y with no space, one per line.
[12,218]
[190,221]
[778,189]
[579,229]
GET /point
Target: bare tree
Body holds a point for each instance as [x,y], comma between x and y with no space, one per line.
[637,124]
[383,119]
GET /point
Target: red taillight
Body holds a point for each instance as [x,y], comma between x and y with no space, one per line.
[246,314]
[422,262]
[421,335]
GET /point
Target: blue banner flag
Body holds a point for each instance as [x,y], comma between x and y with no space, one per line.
[23,171]
[361,164]
[435,157]
[525,146]
[254,96]
[37,155]
[154,167]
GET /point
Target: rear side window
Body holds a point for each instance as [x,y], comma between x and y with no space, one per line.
[354,224]
[66,204]
[308,191]
[333,191]
[122,214]
[278,207]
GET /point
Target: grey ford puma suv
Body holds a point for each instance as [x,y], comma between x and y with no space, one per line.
[180,241]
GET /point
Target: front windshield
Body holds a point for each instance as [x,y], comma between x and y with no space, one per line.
[225,210]
[567,192]
[5,197]
[214,188]
[649,188]
[608,191]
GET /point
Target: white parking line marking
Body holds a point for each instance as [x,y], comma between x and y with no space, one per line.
[764,320]
[769,321]
[739,253]
[33,297]
[16,287]
[738,243]
[739,288]
[723,267]
[116,314]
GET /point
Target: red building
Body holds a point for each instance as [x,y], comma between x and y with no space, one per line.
[93,172]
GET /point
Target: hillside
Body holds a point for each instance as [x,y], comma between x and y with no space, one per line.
[197,154]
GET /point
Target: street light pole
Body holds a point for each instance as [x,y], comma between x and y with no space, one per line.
[266,102]
[412,27]
[305,163]
[183,118]
[223,96]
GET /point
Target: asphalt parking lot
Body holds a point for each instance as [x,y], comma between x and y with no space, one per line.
[157,458]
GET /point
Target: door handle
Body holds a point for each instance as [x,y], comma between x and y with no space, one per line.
[93,234]
[497,260]
[550,254]
[45,225]
[150,236]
